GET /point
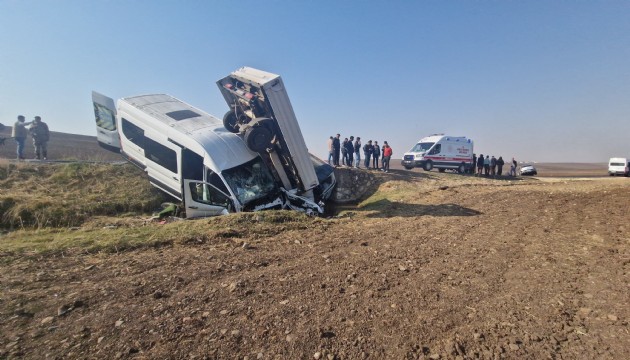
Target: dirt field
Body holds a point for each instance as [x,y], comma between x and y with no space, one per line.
[433,266]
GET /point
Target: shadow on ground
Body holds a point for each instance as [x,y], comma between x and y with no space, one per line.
[386,208]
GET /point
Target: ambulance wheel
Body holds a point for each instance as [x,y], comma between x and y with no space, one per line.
[461,169]
[428,166]
[230,122]
[258,138]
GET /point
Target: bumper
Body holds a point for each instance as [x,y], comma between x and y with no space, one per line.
[412,163]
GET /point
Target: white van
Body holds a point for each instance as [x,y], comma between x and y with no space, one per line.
[618,166]
[188,154]
[441,152]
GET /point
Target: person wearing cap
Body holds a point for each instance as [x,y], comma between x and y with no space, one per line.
[19,133]
[41,135]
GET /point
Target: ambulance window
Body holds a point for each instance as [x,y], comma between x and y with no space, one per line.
[421,147]
[436,149]
[160,155]
[133,133]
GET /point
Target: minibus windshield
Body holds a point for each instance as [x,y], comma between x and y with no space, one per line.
[250,181]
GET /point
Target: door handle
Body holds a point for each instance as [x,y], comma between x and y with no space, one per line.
[193,207]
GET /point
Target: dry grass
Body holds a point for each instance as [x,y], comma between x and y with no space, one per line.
[49,195]
[113,234]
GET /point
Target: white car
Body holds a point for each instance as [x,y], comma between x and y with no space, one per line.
[528,170]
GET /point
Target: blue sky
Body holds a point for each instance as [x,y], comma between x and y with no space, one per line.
[538,80]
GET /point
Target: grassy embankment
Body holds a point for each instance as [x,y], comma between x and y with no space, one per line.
[53,209]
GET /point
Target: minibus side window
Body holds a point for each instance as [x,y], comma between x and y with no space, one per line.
[208,194]
[192,165]
[161,155]
[214,179]
[133,133]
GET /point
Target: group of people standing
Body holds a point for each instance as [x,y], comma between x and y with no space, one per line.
[491,166]
[349,150]
[38,131]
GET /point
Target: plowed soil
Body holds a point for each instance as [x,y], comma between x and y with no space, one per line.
[457,268]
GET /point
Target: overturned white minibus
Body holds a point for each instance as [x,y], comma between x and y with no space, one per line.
[188,154]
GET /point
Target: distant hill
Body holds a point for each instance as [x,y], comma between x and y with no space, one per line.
[62,146]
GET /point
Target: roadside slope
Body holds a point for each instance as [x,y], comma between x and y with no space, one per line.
[432,264]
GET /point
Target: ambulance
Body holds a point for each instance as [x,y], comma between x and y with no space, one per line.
[442,152]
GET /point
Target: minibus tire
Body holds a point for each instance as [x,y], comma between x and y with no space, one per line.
[230,122]
[428,165]
[258,138]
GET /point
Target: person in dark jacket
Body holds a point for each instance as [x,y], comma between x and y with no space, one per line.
[500,164]
[336,147]
[473,165]
[376,153]
[344,152]
[480,164]
[368,149]
[350,151]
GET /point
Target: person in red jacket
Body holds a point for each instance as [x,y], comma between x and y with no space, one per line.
[387,155]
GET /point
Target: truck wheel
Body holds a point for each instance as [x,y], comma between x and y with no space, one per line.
[461,169]
[258,138]
[428,165]
[230,122]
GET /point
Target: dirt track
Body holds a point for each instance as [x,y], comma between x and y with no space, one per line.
[457,268]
